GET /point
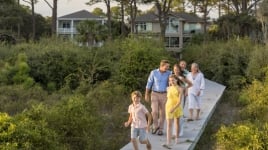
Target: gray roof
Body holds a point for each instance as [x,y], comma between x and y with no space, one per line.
[152,17]
[83,14]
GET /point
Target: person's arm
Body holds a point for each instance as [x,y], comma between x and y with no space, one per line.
[202,84]
[188,82]
[149,116]
[129,120]
[179,101]
[149,85]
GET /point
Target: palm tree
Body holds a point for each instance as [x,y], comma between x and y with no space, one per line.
[91,32]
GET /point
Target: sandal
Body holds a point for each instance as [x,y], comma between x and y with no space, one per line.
[166,146]
[189,119]
[160,132]
[155,130]
[149,146]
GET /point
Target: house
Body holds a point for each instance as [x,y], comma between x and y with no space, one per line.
[66,25]
[181,26]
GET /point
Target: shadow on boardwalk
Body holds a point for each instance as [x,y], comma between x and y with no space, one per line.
[192,130]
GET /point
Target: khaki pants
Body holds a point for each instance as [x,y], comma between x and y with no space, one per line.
[158,105]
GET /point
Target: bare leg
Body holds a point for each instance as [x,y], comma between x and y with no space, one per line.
[135,144]
[169,130]
[177,129]
[197,114]
[148,144]
[191,113]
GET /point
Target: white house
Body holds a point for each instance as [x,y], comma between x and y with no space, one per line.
[181,26]
[66,25]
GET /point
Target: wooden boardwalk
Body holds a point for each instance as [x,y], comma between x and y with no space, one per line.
[192,130]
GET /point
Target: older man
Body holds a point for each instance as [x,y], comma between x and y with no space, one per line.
[158,83]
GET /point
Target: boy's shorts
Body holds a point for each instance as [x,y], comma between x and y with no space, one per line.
[141,132]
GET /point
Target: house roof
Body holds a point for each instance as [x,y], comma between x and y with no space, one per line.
[152,17]
[83,14]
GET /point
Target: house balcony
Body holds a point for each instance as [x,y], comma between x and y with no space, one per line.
[67,31]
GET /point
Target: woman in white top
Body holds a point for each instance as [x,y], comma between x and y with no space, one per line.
[196,91]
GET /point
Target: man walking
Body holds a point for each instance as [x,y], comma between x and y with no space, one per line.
[157,84]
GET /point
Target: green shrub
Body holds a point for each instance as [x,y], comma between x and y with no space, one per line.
[111,102]
[78,124]
[14,99]
[140,57]
[221,61]
[242,137]
[254,97]
[22,132]
[258,63]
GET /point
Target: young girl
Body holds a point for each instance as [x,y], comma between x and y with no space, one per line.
[137,119]
[173,109]
[185,84]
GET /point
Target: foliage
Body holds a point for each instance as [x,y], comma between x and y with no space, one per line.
[24,132]
[91,32]
[257,66]
[254,97]
[141,56]
[230,66]
[233,25]
[18,73]
[98,11]
[242,136]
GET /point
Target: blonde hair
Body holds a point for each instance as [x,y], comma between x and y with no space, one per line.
[137,93]
[163,62]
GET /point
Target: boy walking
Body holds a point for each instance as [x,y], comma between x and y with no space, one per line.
[137,119]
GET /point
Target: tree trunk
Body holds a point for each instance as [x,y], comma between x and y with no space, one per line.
[244,6]
[205,6]
[134,15]
[132,24]
[122,18]
[33,20]
[54,17]
[109,23]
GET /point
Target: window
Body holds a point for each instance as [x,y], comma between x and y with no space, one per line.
[66,25]
[172,41]
[173,25]
[192,27]
[143,26]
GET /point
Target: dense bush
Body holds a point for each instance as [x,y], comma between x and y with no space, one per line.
[221,61]
[139,59]
[23,132]
[243,137]
[78,95]
[258,63]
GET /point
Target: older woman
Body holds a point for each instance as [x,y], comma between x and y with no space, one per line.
[196,91]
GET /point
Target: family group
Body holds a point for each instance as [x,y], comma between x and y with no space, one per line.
[167,91]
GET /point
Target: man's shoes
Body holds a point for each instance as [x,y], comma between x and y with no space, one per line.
[160,132]
[155,130]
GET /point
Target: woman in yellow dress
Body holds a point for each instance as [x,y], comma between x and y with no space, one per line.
[173,109]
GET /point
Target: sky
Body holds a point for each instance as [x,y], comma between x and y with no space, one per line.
[69,6]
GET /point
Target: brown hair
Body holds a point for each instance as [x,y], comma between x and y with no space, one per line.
[137,93]
[173,76]
[163,62]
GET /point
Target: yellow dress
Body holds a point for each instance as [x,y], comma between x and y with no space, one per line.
[173,96]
